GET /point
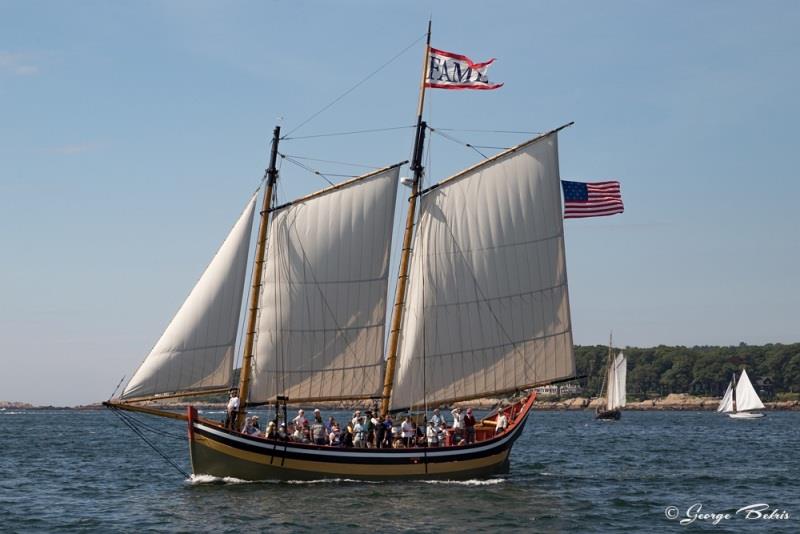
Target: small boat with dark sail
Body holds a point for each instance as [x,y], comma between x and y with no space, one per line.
[614,384]
[741,399]
[481,310]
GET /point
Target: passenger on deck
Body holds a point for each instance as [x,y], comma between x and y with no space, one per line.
[356,416]
[372,429]
[300,419]
[282,434]
[307,433]
[387,425]
[502,423]
[346,438]
[442,431]
[318,433]
[272,432]
[407,429]
[437,419]
[248,428]
[360,434]
[232,409]
[335,435]
[432,434]
[458,426]
[255,423]
[469,426]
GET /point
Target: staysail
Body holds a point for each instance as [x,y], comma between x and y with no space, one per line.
[323,300]
[487,309]
[196,351]
[617,375]
[746,396]
[726,405]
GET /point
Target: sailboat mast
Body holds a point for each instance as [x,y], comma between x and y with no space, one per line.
[733,392]
[252,311]
[402,277]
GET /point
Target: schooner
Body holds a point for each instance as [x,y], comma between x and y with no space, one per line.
[481,309]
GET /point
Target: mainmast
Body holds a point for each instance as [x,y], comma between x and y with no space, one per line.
[402,277]
[252,312]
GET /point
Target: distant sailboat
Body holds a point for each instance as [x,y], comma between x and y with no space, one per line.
[740,398]
[615,381]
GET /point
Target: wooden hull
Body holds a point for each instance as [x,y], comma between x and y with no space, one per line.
[222,453]
[608,415]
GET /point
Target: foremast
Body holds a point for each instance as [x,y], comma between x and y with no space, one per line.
[255,291]
[402,277]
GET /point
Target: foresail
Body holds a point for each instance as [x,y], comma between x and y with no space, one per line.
[323,301]
[746,396]
[726,405]
[487,307]
[196,350]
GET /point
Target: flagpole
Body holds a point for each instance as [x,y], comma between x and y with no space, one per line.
[402,277]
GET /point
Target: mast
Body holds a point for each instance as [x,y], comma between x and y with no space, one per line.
[608,369]
[252,312]
[402,277]
[733,392]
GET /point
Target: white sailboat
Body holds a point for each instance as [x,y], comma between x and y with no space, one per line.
[615,381]
[740,398]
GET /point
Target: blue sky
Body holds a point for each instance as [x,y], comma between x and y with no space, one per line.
[131,135]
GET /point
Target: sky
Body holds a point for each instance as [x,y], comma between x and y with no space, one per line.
[133,133]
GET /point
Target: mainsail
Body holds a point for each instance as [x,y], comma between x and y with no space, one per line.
[617,374]
[196,351]
[323,301]
[488,309]
[746,396]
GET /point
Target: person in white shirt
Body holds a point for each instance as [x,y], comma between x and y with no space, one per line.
[432,433]
[407,432]
[502,423]
[232,409]
[360,434]
[458,425]
[300,420]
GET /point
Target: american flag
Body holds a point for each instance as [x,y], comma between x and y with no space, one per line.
[592,199]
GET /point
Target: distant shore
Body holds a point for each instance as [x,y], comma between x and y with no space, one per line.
[672,402]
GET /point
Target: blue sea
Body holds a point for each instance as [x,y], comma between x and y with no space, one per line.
[85,471]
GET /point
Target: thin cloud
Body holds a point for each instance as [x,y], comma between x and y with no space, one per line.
[69,150]
[17,64]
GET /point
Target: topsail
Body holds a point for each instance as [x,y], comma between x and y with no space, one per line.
[195,352]
[487,310]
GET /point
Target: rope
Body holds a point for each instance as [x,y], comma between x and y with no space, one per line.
[363,80]
[139,433]
[458,141]
[332,161]
[352,132]
[306,167]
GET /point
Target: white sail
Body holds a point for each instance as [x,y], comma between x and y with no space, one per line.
[323,301]
[617,374]
[746,396]
[196,350]
[726,405]
[487,307]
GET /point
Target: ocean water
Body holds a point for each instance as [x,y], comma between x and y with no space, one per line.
[83,471]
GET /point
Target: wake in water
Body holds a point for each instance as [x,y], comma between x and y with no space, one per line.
[472,482]
[196,480]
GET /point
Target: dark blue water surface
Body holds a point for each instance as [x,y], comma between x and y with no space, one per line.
[86,471]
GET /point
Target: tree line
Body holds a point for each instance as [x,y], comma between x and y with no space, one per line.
[701,370]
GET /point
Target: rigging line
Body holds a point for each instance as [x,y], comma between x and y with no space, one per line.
[334,162]
[458,141]
[116,388]
[306,167]
[356,86]
[152,429]
[491,131]
[152,446]
[352,132]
